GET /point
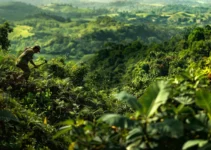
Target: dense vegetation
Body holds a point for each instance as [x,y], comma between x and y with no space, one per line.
[121,85]
[82,31]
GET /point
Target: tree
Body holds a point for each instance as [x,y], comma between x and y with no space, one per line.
[196,35]
[5,29]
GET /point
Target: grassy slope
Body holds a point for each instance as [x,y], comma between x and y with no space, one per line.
[21,31]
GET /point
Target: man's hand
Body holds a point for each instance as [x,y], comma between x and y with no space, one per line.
[31,61]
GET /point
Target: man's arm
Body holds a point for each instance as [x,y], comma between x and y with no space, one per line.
[31,61]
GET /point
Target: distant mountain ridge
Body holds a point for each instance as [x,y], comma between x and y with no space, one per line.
[11,10]
[40,2]
[176,1]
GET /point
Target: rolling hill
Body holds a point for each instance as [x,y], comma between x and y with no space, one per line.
[39,2]
[14,11]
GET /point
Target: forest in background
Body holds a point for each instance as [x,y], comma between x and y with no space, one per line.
[114,79]
[83,31]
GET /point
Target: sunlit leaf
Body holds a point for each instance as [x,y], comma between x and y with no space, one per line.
[134,146]
[192,143]
[71,146]
[67,122]
[156,95]
[62,131]
[134,135]
[45,120]
[203,100]
[80,122]
[184,100]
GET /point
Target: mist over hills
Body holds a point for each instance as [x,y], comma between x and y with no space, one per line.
[41,2]
[17,10]
[77,2]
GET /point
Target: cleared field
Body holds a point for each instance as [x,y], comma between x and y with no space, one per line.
[142,15]
[21,31]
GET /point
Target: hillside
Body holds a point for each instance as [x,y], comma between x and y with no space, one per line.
[39,2]
[70,10]
[82,37]
[64,29]
[105,103]
[195,2]
[14,11]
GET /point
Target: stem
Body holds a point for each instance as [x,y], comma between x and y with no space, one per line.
[146,138]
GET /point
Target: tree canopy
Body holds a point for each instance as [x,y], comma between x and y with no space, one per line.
[5,29]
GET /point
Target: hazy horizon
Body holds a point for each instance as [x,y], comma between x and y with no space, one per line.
[37,2]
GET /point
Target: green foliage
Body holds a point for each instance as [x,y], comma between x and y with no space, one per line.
[118,121]
[163,121]
[14,11]
[79,35]
[5,29]
[168,107]
[202,98]
[6,115]
[49,17]
[153,98]
[196,35]
[106,20]
[192,143]
[130,100]
[169,128]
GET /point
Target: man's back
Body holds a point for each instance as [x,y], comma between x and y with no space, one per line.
[26,56]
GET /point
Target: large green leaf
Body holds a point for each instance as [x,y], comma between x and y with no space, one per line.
[184,111]
[134,145]
[68,122]
[200,122]
[156,95]
[68,125]
[184,100]
[134,135]
[168,128]
[6,115]
[62,131]
[118,120]
[192,143]
[129,99]
[203,100]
